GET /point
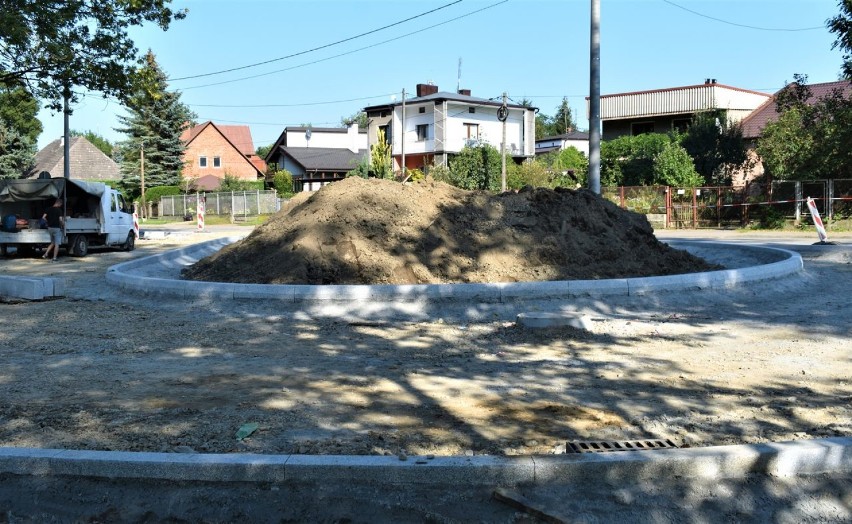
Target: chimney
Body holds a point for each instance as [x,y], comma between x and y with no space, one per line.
[426,89]
[352,135]
[712,80]
[706,81]
[465,92]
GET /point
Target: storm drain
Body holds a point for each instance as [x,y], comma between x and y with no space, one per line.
[604,446]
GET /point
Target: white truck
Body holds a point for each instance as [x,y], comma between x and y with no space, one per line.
[95,215]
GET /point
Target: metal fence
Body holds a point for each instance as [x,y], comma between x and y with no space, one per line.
[234,203]
[710,207]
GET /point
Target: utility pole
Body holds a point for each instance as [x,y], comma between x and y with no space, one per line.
[142,179]
[66,134]
[505,109]
[402,136]
[595,100]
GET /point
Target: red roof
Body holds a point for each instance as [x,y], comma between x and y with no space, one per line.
[238,136]
[754,123]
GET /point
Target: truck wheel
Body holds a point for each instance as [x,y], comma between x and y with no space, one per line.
[79,246]
[130,243]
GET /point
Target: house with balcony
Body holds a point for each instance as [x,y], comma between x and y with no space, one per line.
[435,125]
[663,110]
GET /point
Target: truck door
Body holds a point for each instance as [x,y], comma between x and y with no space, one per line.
[119,221]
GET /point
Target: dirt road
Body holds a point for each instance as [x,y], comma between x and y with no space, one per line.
[97,370]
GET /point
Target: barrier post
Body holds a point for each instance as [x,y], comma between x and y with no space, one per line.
[823,236]
[136,220]
[200,211]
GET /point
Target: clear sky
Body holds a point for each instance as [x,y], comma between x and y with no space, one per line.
[535,49]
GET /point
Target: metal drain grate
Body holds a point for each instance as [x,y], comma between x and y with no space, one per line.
[604,446]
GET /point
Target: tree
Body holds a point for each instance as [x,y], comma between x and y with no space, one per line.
[674,167]
[96,140]
[17,153]
[564,121]
[477,167]
[784,147]
[232,183]
[359,118]
[629,160]
[841,26]
[717,147]
[155,121]
[282,180]
[19,110]
[51,46]
[380,157]
[262,151]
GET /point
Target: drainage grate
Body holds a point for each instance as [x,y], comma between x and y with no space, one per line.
[603,446]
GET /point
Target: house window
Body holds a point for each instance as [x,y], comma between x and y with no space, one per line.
[202,161]
[471,110]
[471,131]
[640,128]
[422,110]
[217,161]
[422,132]
[387,131]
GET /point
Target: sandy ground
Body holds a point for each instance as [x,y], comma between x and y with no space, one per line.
[97,370]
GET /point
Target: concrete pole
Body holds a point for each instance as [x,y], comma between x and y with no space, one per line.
[142,180]
[66,134]
[595,100]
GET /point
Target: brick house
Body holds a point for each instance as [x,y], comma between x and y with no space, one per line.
[214,150]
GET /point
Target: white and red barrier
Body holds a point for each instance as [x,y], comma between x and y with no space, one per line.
[200,213]
[136,224]
[823,236]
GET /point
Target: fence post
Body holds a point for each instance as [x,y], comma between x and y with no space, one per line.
[829,206]
[258,201]
[218,210]
[695,208]
[798,186]
[668,206]
[621,194]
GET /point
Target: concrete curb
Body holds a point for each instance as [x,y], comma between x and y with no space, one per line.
[807,457]
[159,275]
[32,288]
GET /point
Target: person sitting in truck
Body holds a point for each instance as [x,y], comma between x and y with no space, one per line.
[9,223]
[55,220]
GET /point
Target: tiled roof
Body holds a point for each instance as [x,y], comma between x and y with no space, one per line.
[324,158]
[238,136]
[444,95]
[754,123]
[87,162]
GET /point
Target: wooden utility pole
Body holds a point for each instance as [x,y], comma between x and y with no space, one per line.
[503,146]
[402,136]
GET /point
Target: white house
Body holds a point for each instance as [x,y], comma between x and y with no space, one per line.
[578,139]
[438,124]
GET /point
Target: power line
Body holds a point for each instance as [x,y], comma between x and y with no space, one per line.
[742,25]
[297,105]
[316,48]
[348,52]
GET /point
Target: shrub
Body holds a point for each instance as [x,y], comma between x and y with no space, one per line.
[282,181]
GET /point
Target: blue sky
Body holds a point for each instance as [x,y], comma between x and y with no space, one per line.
[530,49]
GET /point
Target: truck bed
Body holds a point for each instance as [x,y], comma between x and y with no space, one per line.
[25,236]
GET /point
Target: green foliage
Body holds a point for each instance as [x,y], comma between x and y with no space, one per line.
[841,26]
[570,167]
[380,157]
[155,121]
[54,45]
[96,140]
[716,146]
[673,167]
[19,111]
[564,121]
[477,167]
[439,172]
[156,193]
[415,175]
[361,169]
[232,183]
[262,151]
[359,118]
[529,173]
[629,160]
[17,153]
[810,140]
[282,180]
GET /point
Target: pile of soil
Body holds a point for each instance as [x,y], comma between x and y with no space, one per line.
[359,231]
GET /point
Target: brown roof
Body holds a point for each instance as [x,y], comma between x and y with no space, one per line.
[238,136]
[86,161]
[754,123]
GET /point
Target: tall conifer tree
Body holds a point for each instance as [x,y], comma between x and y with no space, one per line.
[155,121]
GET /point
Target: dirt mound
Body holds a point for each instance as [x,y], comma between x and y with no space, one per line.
[360,231]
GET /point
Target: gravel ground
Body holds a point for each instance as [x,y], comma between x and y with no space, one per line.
[102,370]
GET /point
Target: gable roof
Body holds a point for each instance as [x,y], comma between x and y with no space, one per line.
[573,135]
[87,162]
[324,158]
[240,134]
[754,123]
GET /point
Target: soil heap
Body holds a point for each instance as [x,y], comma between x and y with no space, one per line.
[359,231]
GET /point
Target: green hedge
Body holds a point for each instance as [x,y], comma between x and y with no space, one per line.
[155,193]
